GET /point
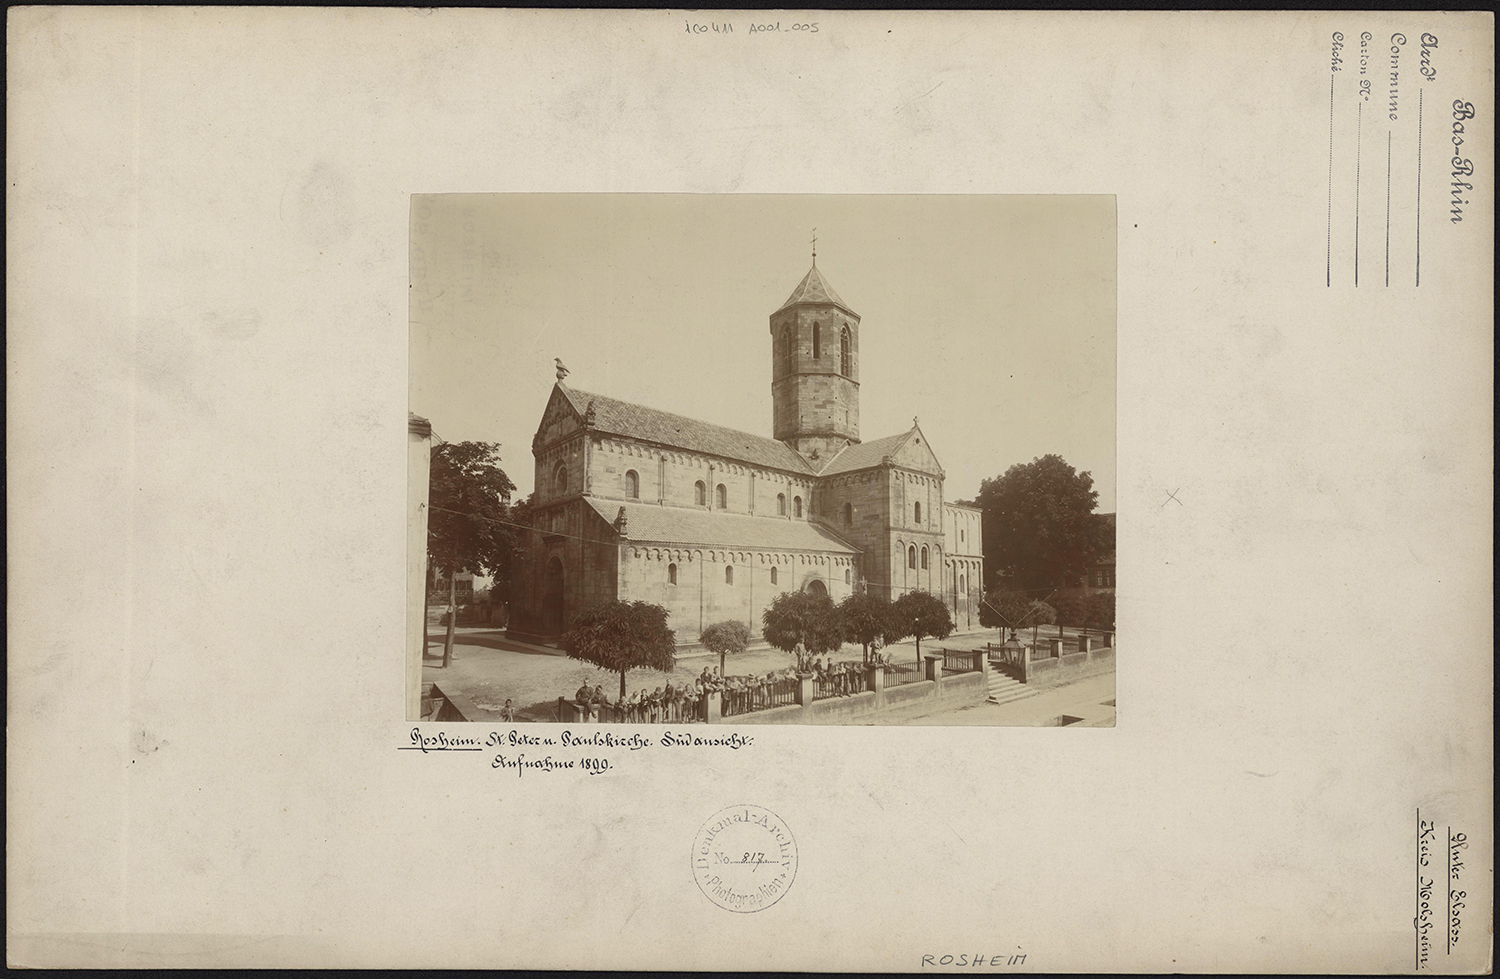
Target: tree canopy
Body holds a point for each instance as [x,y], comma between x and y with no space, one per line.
[1039,523]
[795,616]
[468,499]
[921,615]
[729,636]
[868,620]
[620,636]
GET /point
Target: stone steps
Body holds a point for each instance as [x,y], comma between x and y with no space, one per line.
[1004,689]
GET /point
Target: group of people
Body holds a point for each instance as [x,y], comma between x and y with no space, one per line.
[665,704]
[839,679]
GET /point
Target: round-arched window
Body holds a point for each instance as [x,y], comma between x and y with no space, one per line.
[700,493]
[844,360]
[848,575]
[671,574]
[924,558]
[918,512]
[729,575]
[848,513]
[560,479]
[633,485]
[962,588]
[796,506]
[817,340]
[911,557]
[781,504]
[773,576]
[721,496]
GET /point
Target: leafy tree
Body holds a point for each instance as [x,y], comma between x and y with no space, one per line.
[1004,609]
[468,521]
[621,636]
[1040,614]
[795,617]
[1102,609]
[1070,610]
[920,614]
[1039,524]
[868,620]
[731,636]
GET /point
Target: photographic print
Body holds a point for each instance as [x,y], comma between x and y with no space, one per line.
[763,459]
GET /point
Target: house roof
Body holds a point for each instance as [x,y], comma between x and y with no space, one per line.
[615,417]
[651,523]
[813,289]
[864,455]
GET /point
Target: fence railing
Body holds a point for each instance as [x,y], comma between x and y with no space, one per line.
[958,661]
[895,676]
[761,696]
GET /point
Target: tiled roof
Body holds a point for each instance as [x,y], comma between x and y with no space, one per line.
[648,522]
[864,455]
[813,289]
[614,417]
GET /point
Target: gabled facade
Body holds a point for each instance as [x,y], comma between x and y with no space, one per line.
[633,503]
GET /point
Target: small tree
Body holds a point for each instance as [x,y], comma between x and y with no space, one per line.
[731,636]
[868,620]
[920,614]
[620,636]
[1071,610]
[1040,614]
[797,617]
[1004,609]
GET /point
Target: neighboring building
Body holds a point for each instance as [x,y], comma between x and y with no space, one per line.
[1102,574]
[633,503]
[963,583]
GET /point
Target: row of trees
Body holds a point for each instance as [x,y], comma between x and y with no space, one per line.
[623,636]
[1016,610]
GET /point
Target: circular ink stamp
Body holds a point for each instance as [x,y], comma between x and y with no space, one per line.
[744,858]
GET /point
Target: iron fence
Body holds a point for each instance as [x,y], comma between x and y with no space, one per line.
[958,661]
[896,676]
[761,695]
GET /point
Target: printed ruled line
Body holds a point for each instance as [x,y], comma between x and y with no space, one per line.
[1329,254]
[1358,129]
[1387,207]
[1419,188]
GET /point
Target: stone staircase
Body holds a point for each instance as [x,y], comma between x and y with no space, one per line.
[1005,688]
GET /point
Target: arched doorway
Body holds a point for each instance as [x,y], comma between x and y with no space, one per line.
[816,589]
[552,598]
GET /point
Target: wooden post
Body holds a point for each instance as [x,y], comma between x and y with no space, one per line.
[452,616]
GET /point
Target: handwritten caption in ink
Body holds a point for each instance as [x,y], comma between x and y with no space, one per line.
[524,754]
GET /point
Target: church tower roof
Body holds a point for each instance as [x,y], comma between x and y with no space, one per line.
[814,289]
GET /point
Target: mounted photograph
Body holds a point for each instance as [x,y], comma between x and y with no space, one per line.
[762,459]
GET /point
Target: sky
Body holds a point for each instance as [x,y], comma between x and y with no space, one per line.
[989,318]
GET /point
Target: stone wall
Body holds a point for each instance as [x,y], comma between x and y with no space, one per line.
[703,595]
[893,706]
[813,405]
[671,477]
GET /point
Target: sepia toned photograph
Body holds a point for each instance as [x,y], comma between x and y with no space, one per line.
[762,460]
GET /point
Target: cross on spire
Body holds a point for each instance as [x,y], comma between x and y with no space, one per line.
[815,246]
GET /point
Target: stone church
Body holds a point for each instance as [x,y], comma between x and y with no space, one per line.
[633,503]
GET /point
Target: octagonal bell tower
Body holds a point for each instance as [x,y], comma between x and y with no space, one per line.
[815,370]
